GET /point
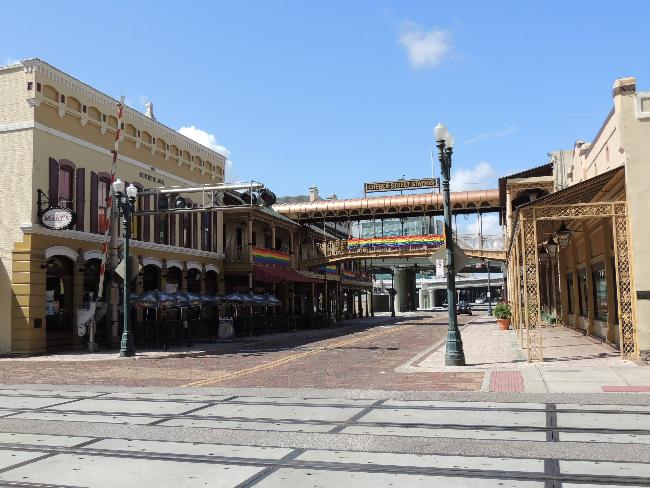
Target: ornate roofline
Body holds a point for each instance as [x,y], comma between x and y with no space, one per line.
[34,65]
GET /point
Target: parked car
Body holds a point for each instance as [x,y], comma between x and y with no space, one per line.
[479,300]
[464,307]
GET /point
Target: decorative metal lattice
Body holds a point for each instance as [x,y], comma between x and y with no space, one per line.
[531,291]
[625,307]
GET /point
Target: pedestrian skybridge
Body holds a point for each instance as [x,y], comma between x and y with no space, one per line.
[421,204]
[374,241]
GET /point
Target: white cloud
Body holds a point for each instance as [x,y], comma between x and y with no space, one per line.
[8,61]
[424,49]
[511,129]
[204,138]
[480,177]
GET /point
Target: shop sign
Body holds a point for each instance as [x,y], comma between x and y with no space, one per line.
[401,184]
[57,218]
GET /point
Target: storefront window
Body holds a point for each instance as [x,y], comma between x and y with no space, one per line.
[569,289]
[599,283]
[582,292]
[612,263]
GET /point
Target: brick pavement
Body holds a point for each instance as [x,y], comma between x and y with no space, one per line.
[506,381]
[363,360]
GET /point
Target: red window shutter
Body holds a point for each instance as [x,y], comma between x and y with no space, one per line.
[80,197]
[53,192]
[94,202]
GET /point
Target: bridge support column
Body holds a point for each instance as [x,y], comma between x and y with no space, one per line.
[401,286]
[432,298]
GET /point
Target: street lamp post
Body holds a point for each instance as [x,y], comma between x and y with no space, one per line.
[454,355]
[489,291]
[126,203]
[392,293]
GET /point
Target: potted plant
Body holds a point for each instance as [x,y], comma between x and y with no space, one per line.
[503,313]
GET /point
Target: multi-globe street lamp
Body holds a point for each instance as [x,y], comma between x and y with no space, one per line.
[125,202]
[454,355]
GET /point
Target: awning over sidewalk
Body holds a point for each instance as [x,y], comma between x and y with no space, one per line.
[275,274]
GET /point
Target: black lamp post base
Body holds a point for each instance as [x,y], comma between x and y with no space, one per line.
[127,349]
[454,354]
[454,359]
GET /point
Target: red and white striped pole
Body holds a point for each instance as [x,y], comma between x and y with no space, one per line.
[106,224]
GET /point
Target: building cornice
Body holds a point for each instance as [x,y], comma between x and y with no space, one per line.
[107,152]
[99,238]
[16,126]
[36,65]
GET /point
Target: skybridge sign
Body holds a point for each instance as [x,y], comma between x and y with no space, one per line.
[401,184]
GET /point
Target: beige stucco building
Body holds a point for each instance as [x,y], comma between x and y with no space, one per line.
[56,135]
[600,191]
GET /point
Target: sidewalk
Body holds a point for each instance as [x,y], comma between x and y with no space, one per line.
[573,363]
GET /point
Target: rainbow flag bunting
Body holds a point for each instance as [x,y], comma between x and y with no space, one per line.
[270,257]
[355,275]
[330,269]
[396,242]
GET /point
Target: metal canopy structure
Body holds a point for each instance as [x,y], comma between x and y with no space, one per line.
[572,205]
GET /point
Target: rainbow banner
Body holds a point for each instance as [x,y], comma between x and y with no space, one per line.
[330,269]
[270,257]
[355,275]
[396,242]
[349,274]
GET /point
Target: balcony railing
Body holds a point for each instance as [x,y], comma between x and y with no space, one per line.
[241,254]
[237,254]
[476,242]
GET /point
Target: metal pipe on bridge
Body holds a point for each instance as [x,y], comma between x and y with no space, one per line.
[197,189]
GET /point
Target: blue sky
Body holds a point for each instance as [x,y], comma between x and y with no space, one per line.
[337,93]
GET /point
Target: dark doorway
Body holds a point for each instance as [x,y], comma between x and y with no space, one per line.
[58,302]
[194,281]
[210,282]
[174,280]
[150,277]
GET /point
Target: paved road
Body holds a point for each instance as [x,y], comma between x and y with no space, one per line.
[358,354]
[225,437]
